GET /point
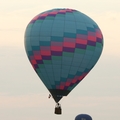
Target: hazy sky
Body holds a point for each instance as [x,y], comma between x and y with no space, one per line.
[22,94]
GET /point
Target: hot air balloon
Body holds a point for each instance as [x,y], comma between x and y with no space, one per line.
[83,117]
[62,45]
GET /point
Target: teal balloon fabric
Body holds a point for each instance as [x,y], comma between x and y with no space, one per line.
[83,117]
[62,45]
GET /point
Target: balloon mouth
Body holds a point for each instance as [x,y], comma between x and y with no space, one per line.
[58,94]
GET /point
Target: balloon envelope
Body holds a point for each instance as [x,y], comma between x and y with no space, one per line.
[62,45]
[83,117]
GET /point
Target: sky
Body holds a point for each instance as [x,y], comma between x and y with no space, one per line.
[23,95]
